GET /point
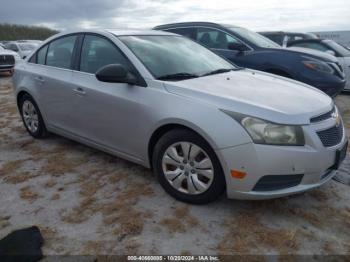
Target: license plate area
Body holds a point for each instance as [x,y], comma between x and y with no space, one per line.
[340,156]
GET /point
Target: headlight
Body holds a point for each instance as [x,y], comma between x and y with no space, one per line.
[319,66]
[264,132]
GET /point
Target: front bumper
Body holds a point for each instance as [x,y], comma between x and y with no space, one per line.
[6,67]
[314,161]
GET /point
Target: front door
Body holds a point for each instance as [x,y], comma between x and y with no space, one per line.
[105,113]
[222,43]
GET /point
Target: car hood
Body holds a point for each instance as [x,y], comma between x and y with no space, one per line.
[257,94]
[314,53]
[7,52]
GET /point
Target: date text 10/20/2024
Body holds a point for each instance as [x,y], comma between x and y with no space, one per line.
[173,258]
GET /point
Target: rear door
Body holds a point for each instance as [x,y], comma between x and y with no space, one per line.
[52,76]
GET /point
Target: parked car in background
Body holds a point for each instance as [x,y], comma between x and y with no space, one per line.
[31,41]
[23,48]
[346,47]
[4,42]
[8,60]
[330,47]
[158,99]
[282,38]
[252,50]
[340,37]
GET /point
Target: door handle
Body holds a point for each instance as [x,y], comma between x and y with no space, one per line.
[79,91]
[39,79]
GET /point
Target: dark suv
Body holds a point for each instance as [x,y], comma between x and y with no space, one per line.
[252,50]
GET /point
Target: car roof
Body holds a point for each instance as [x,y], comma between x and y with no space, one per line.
[184,24]
[106,32]
[28,41]
[136,32]
[116,32]
[283,32]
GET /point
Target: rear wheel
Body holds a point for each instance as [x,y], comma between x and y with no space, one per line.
[187,167]
[31,117]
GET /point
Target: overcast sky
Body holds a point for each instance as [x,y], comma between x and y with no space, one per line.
[301,15]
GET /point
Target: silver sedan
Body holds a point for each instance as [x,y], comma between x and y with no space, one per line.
[201,123]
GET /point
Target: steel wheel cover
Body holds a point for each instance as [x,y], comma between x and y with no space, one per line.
[187,168]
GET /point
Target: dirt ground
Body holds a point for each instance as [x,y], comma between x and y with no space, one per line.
[88,202]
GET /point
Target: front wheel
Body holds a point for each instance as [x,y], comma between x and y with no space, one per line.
[187,167]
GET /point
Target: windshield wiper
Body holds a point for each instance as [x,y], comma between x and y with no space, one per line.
[218,71]
[177,76]
[223,70]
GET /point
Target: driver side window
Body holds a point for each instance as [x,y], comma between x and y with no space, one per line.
[98,52]
[216,39]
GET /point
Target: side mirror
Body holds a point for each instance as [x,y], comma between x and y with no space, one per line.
[331,52]
[237,47]
[115,73]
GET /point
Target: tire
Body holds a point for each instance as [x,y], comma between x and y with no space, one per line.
[30,113]
[207,183]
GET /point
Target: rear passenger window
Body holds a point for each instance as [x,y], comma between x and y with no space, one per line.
[60,53]
[41,55]
[98,52]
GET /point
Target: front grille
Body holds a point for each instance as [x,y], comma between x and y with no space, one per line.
[323,116]
[332,136]
[7,60]
[277,182]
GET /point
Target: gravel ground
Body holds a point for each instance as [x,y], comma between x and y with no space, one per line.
[88,202]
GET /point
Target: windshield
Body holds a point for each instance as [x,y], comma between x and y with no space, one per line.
[27,47]
[255,38]
[338,48]
[175,55]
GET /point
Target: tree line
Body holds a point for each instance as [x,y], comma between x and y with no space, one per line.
[12,32]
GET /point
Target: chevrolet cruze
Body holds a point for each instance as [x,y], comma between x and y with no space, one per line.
[202,124]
